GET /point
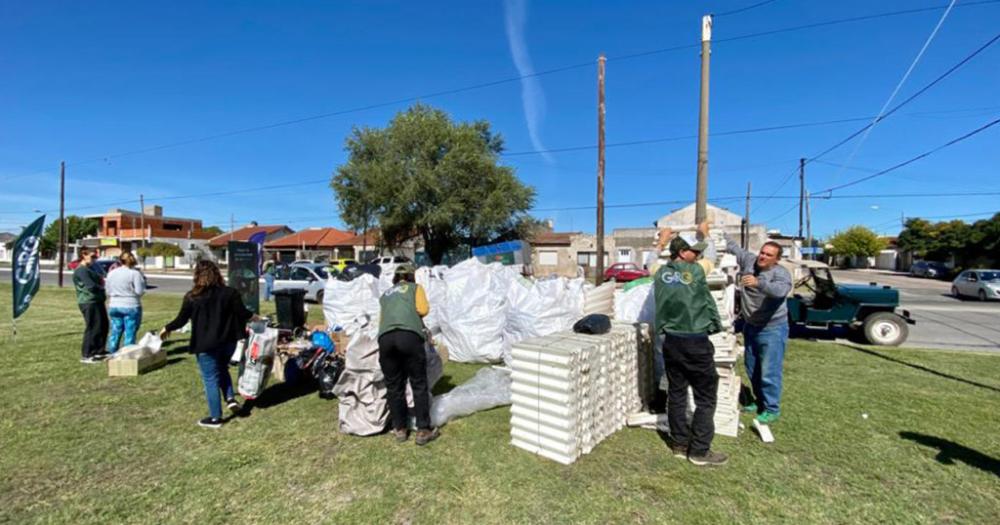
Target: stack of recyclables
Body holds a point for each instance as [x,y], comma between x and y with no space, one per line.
[571,391]
[722,284]
[139,358]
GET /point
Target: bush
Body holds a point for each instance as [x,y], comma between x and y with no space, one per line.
[160,249]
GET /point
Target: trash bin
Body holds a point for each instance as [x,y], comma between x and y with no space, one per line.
[291,306]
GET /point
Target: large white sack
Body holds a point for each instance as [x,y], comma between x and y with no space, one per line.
[436,291]
[638,304]
[344,301]
[541,308]
[474,312]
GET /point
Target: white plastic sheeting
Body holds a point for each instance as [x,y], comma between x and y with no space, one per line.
[148,345]
[541,308]
[489,388]
[345,301]
[636,305]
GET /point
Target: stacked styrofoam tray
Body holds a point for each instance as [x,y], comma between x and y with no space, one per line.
[571,391]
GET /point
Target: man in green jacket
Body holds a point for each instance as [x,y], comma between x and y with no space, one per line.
[686,315]
[90,298]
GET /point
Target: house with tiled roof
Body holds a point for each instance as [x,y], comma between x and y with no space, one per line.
[273,232]
[311,243]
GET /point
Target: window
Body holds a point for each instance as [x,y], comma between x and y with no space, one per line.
[398,259]
[300,274]
[548,258]
[590,258]
[172,227]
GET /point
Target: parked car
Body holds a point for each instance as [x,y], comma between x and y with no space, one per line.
[984,284]
[625,272]
[934,270]
[341,264]
[388,263]
[868,311]
[310,277]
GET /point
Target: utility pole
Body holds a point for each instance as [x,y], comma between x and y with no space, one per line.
[142,220]
[701,191]
[802,191]
[746,221]
[600,170]
[232,226]
[62,220]
[809,231]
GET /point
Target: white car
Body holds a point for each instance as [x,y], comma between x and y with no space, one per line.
[309,277]
[389,263]
[984,284]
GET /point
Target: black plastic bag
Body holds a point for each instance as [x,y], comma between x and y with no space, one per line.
[327,372]
[593,324]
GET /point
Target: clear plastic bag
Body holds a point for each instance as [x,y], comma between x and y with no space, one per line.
[489,388]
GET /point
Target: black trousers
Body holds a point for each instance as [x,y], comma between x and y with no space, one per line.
[95,333]
[402,358]
[690,362]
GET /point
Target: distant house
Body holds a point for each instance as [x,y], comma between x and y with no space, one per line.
[553,253]
[126,231]
[6,246]
[218,244]
[311,243]
[721,218]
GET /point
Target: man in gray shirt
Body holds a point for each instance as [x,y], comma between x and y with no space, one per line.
[764,286]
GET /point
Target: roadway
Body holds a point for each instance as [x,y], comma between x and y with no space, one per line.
[942,320]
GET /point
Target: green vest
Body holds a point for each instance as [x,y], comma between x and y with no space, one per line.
[684,305]
[399,310]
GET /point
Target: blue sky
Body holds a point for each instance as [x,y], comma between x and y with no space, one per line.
[84,82]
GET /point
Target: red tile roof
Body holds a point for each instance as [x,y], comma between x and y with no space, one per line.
[313,238]
[553,238]
[243,234]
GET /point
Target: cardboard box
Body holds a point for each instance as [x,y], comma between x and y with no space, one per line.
[134,367]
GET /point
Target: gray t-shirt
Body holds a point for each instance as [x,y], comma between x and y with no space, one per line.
[763,305]
[125,287]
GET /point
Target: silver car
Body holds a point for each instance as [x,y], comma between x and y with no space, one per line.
[984,284]
[310,277]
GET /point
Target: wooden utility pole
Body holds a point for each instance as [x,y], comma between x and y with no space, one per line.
[701,191]
[62,220]
[802,192]
[746,221]
[600,170]
[142,220]
[809,231]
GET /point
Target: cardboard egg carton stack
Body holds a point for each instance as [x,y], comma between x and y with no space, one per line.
[722,283]
[571,391]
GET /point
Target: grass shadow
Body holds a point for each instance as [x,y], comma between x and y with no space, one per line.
[282,393]
[443,386]
[920,367]
[949,451]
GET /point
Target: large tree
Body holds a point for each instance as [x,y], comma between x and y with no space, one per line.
[429,176]
[857,241]
[76,228]
[969,244]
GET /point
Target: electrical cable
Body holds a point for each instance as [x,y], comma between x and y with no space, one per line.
[742,9]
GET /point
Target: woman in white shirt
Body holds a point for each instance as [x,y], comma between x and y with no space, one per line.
[125,286]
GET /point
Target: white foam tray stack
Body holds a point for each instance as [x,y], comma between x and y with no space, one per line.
[571,391]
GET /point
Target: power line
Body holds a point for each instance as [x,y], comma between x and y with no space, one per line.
[742,9]
[899,85]
[484,85]
[687,137]
[912,97]
[914,159]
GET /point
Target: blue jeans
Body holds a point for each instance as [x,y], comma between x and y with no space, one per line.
[764,358]
[268,286]
[125,320]
[214,367]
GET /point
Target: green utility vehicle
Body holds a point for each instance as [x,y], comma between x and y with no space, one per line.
[869,312]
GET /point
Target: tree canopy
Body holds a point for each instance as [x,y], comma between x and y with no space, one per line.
[76,228]
[429,176]
[856,241]
[970,244]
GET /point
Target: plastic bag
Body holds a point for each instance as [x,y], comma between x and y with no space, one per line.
[327,372]
[147,346]
[593,324]
[636,304]
[258,357]
[475,312]
[345,301]
[489,388]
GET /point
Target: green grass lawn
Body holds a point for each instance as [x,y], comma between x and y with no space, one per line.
[79,447]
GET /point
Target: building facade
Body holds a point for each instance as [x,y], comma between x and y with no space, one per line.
[126,231]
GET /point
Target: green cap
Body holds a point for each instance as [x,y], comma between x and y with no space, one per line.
[680,243]
[404,269]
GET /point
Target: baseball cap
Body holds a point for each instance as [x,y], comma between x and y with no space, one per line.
[404,269]
[687,241]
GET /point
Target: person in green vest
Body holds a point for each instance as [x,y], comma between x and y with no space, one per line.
[401,354]
[685,316]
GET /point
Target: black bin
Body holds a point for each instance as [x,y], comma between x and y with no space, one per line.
[291,306]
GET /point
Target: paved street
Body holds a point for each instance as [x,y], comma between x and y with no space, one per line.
[942,320]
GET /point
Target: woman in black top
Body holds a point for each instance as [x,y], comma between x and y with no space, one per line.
[218,320]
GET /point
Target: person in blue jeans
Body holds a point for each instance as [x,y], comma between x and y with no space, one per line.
[269,271]
[125,286]
[218,320]
[764,288]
